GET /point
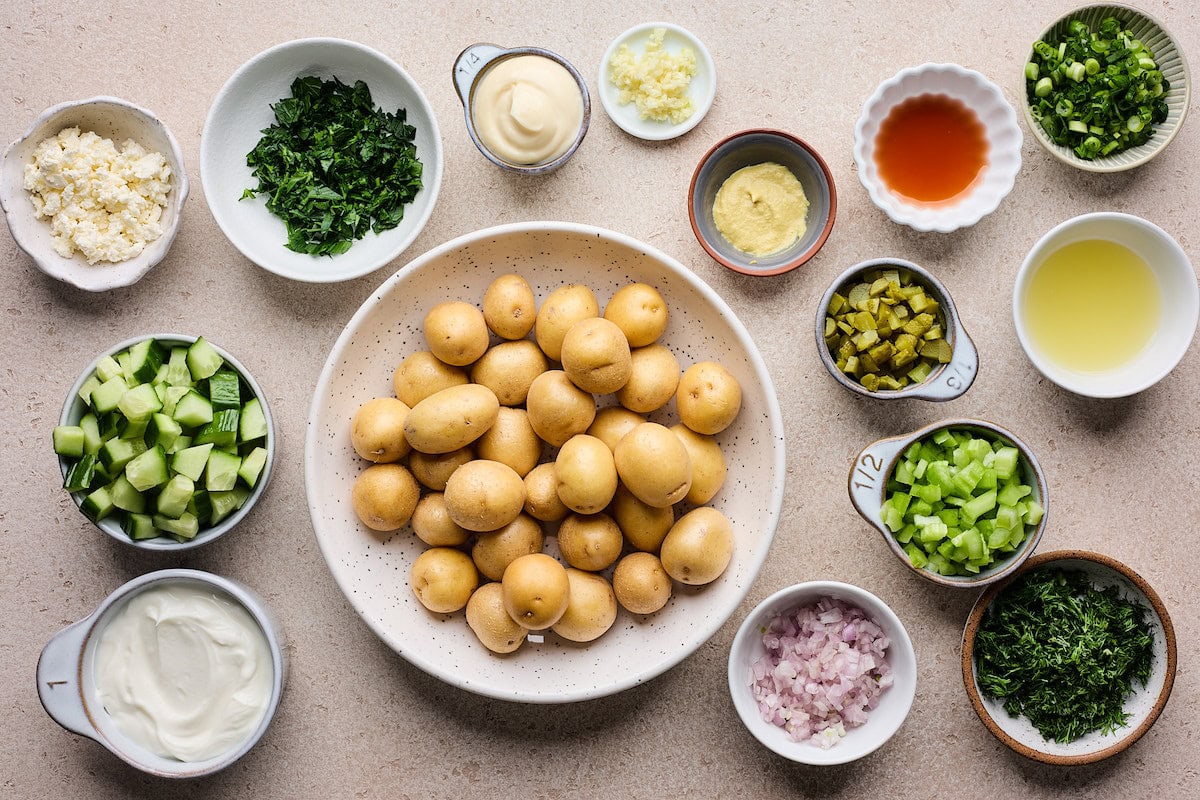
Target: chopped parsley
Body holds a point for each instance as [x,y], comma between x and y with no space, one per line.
[333,166]
[1063,653]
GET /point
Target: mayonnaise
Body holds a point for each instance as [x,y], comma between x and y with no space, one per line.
[184,671]
[527,109]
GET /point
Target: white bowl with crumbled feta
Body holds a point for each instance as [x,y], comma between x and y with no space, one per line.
[93,192]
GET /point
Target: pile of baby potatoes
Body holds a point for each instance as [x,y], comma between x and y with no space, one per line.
[486,448]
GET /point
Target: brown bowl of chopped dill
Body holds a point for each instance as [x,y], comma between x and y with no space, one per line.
[1071,660]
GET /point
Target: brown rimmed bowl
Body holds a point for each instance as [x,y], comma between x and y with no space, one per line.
[746,149]
[1145,703]
[873,467]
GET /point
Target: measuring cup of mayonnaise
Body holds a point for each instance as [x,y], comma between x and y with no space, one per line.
[527,108]
[200,703]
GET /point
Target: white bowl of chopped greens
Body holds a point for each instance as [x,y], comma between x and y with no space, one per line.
[321,160]
[1106,88]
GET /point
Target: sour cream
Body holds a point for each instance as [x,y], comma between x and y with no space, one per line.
[184,671]
[527,109]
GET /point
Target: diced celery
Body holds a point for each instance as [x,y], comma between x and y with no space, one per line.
[1006,463]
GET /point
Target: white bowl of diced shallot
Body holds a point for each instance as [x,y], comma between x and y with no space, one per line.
[822,673]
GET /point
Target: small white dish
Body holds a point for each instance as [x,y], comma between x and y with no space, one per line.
[1179,293]
[242,109]
[702,90]
[883,721]
[110,118]
[999,120]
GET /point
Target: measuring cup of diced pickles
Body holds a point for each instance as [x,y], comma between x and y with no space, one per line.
[888,329]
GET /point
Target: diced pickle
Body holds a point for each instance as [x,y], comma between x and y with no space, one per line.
[859,295]
[836,303]
[938,349]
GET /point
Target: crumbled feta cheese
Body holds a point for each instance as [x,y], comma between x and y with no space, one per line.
[104,202]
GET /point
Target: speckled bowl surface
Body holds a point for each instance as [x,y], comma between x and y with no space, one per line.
[372,569]
[110,118]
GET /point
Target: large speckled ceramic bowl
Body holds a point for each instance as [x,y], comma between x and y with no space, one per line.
[372,569]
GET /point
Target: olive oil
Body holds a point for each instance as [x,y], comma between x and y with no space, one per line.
[1092,306]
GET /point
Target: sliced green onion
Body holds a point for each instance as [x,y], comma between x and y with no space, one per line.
[1031,71]
[1044,87]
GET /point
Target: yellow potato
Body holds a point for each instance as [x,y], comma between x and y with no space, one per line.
[558,409]
[613,422]
[699,547]
[591,542]
[536,591]
[564,307]
[644,526]
[641,584]
[509,368]
[511,441]
[432,470]
[586,473]
[708,464]
[595,356]
[640,312]
[377,430]
[654,465]
[423,374]
[591,608]
[384,496]
[541,494]
[709,398]
[509,307]
[484,495]
[443,579]
[451,419]
[495,550]
[432,524]
[653,379]
[456,333]
[496,630]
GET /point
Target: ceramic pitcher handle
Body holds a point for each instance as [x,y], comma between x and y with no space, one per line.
[468,64]
[869,474]
[957,376]
[58,679]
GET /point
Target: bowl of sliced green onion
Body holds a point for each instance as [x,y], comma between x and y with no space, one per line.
[1106,88]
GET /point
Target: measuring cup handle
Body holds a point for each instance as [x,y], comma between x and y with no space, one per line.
[58,679]
[468,64]
[956,377]
[869,474]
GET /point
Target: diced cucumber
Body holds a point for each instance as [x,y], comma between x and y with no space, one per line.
[107,395]
[163,431]
[107,368]
[253,424]
[174,497]
[178,373]
[115,454]
[171,396]
[193,410]
[252,466]
[191,462]
[110,425]
[225,503]
[221,472]
[145,358]
[126,369]
[139,526]
[68,440]
[223,429]
[125,497]
[224,390]
[148,469]
[186,527]
[181,443]
[81,474]
[201,506]
[131,428]
[91,433]
[98,504]
[160,377]
[202,360]
[140,402]
[89,385]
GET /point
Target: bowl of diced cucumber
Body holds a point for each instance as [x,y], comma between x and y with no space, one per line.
[961,502]
[165,442]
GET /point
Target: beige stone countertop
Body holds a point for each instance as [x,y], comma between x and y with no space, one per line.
[359,721]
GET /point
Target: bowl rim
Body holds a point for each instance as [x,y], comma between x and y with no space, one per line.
[772,412]
[113,277]
[432,166]
[866,465]
[865,599]
[1105,164]
[1027,268]
[646,129]
[971,628]
[800,259]
[212,533]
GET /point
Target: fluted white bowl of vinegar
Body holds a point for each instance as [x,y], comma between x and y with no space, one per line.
[1106,304]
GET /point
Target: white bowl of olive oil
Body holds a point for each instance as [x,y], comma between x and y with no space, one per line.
[1106,304]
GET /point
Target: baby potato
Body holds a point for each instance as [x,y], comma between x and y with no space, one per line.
[586,473]
[451,419]
[496,630]
[591,542]
[653,379]
[564,307]
[595,356]
[484,495]
[509,307]
[377,430]
[432,524]
[536,591]
[640,312]
[443,579]
[509,368]
[423,374]
[641,584]
[591,608]
[708,464]
[613,422]
[434,469]
[644,526]
[541,494]
[495,550]
[511,441]
[698,548]
[456,333]
[654,465]
[709,397]
[384,496]
[558,409]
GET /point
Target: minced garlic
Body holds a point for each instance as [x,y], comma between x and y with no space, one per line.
[106,203]
[656,81]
